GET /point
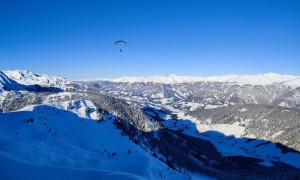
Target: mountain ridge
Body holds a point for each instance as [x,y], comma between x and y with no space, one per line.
[157,117]
[28,77]
[258,79]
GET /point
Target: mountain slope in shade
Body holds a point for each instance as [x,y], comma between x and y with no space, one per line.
[29,78]
[236,130]
[31,171]
[101,132]
[7,83]
[71,143]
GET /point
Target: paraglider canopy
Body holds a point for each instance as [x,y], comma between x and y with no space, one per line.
[120,41]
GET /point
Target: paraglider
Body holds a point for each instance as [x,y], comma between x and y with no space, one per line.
[120,41]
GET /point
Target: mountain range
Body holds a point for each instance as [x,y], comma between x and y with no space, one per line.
[159,127]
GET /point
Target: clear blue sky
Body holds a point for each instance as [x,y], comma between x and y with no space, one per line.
[75,38]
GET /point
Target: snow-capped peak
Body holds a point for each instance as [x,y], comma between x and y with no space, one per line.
[7,83]
[259,79]
[29,78]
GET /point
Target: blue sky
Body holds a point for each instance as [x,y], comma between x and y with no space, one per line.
[75,39]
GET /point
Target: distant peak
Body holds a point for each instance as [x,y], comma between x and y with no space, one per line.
[258,79]
[172,75]
[26,77]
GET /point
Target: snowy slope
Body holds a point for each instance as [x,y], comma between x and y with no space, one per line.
[260,79]
[7,83]
[29,78]
[230,139]
[27,170]
[71,143]
[295,82]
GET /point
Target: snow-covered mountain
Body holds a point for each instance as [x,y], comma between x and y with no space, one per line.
[242,130]
[7,83]
[28,78]
[69,141]
[248,106]
[273,123]
[69,138]
[25,87]
[260,79]
[168,124]
[209,94]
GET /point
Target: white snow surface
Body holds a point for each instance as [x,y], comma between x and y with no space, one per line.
[259,79]
[64,142]
[6,81]
[231,139]
[29,78]
[295,82]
